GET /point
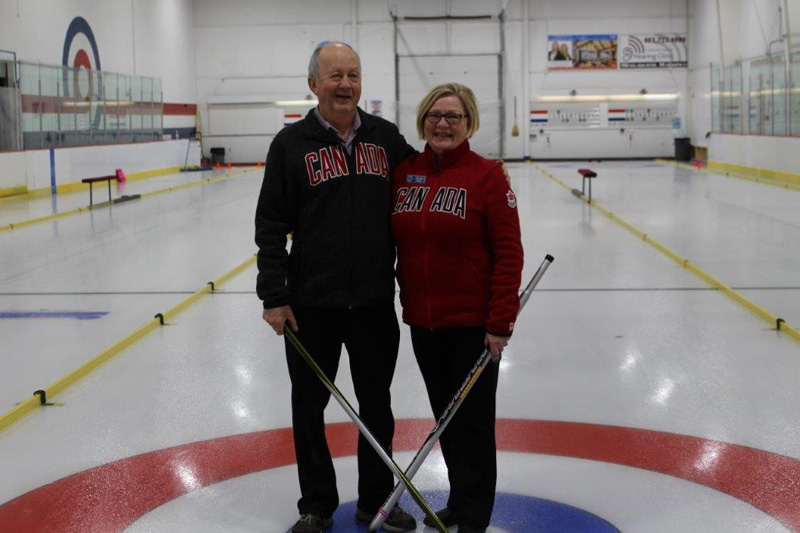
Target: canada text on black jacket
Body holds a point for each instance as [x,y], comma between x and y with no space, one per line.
[336,206]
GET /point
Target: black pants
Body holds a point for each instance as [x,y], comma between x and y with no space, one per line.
[371,336]
[445,357]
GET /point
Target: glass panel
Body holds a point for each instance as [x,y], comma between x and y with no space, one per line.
[97,107]
[778,73]
[147,108]
[50,87]
[64,106]
[125,135]
[158,121]
[755,117]
[10,119]
[111,108]
[29,89]
[730,100]
[716,123]
[794,94]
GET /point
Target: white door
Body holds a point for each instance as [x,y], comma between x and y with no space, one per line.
[419,74]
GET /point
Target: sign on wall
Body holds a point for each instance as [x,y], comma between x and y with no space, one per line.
[653,50]
[375,107]
[566,52]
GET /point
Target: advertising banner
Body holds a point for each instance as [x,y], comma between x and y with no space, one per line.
[567,52]
[653,50]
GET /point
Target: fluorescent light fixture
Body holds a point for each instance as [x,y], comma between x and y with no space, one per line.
[773,92]
[608,98]
[296,103]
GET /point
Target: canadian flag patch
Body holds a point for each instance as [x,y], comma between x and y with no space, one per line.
[512,199]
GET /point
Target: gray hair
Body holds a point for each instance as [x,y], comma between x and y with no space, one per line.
[313,64]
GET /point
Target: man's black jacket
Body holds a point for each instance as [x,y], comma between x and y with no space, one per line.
[336,206]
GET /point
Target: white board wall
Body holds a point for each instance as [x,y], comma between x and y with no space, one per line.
[32,168]
[262,49]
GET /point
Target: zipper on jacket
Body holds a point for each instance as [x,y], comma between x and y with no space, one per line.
[351,192]
[426,255]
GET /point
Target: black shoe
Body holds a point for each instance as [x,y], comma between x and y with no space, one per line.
[311,523]
[470,529]
[398,520]
[448,518]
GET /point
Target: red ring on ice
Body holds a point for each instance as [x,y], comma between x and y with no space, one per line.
[114,495]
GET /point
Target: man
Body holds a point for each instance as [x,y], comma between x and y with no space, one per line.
[328,182]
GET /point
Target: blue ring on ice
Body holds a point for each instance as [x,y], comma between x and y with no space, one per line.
[514,513]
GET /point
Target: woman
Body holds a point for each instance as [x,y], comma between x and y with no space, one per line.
[456,228]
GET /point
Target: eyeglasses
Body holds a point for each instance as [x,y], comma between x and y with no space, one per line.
[452,118]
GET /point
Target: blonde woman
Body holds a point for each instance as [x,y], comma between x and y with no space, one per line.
[456,229]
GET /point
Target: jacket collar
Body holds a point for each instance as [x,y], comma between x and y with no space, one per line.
[314,130]
[448,158]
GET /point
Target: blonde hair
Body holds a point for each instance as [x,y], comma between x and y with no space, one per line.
[463,93]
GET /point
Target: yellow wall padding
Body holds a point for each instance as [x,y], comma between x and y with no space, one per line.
[13,191]
[790,181]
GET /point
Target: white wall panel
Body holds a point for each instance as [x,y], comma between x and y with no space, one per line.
[704,49]
[514,87]
[794,15]
[271,12]
[475,38]
[459,38]
[267,89]
[242,149]
[143,37]
[704,37]
[32,167]
[371,12]
[699,116]
[12,170]
[243,119]
[74,164]
[37,169]
[421,38]
[419,74]
[751,28]
[774,153]
[253,51]
[420,8]
[377,60]
[608,143]
[607,9]
[36,30]
[165,46]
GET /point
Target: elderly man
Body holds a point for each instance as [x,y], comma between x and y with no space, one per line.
[328,183]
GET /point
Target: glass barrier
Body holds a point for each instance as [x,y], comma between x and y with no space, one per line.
[10,120]
[65,106]
[768,96]
[771,97]
[726,99]
[794,95]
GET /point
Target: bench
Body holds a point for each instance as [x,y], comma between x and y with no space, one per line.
[587,174]
[92,181]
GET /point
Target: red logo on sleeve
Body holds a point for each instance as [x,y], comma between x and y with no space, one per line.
[512,200]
